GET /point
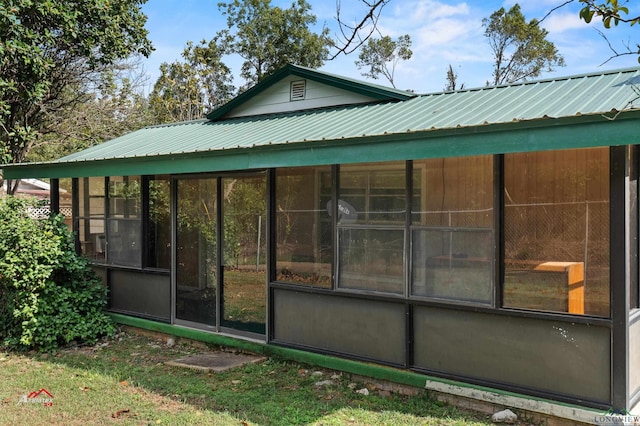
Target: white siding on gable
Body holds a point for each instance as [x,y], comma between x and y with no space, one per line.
[277,98]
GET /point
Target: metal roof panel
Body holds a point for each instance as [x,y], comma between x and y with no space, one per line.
[589,94]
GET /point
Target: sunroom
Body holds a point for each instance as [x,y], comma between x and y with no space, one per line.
[484,237]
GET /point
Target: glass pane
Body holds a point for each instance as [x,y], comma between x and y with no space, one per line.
[91,197]
[124,196]
[92,238]
[66,202]
[557,231]
[454,257]
[453,192]
[371,259]
[453,264]
[159,228]
[244,247]
[372,193]
[196,251]
[124,246]
[303,226]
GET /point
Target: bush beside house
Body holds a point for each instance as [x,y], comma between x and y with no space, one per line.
[49,296]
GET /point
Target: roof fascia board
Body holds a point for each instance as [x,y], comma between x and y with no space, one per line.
[376,92]
[497,139]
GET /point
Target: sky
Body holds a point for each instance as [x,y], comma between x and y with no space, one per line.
[443,33]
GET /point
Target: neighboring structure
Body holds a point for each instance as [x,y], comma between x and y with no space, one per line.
[488,236]
[35,188]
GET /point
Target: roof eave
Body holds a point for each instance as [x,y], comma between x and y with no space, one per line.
[473,140]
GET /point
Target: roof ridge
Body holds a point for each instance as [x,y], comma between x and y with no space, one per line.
[542,80]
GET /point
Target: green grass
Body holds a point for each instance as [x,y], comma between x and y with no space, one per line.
[125,381]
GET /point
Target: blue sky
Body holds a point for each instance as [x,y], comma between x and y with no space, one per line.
[442,32]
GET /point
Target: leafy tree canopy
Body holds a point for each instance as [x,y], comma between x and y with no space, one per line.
[267,37]
[188,89]
[111,108]
[520,48]
[612,13]
[51,46]
[381,55]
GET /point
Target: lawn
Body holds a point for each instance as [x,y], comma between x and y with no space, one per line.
[125,381]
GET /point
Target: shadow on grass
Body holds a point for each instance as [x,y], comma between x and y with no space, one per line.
[274,392]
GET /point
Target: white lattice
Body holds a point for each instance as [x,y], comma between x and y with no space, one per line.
[43,212]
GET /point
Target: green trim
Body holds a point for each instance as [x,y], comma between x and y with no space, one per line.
[379,372]
[355,86]
[538,135]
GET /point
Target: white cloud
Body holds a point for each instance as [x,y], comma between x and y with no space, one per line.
[560,22]
[416,13]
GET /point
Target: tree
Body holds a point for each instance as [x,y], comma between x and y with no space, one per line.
[353,36]
[115,105]
[452,80]
[381,55]
[267,38]
[611,13]
[521,50]
[50,47]
[190,89]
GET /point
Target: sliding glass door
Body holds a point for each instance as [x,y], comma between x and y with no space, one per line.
[220,279]
[196,253]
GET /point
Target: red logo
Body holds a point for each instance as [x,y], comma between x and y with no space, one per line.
[42,396]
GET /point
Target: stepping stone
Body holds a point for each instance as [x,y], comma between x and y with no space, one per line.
[216,361]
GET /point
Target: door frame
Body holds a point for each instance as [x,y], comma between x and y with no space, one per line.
[219,176]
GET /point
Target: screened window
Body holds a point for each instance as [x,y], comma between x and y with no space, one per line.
[371,213]
[91,218]
[66,201]
[196,254]
[556,218]
[452,229]
[159,225]
[303,226]
[124,238]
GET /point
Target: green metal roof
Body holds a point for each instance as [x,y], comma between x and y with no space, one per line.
[578,111]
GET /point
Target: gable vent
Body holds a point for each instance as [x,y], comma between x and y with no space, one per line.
[298,90]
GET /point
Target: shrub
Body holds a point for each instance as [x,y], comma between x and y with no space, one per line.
[49,296]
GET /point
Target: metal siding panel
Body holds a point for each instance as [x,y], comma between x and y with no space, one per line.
[351,326]
[145,294]
[634,358]
[549,356]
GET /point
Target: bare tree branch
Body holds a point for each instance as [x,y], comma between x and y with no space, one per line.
[616,54]
[352,33]
[556,8]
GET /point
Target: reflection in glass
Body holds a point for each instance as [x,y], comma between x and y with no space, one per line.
[556,218]
[453,192]
[303,226]
[371,259]
[159,227]
[124,245]
[244,290]
[452,229]
[91,220]
[371,210]
[196,251]
[375,191]
[66,202]
[453,264]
